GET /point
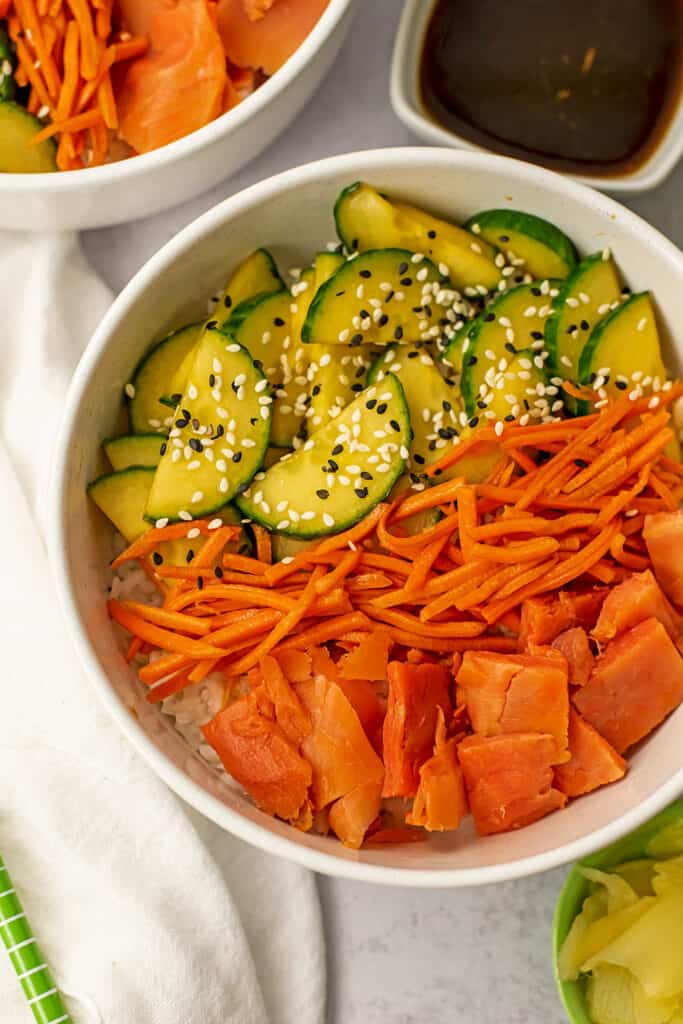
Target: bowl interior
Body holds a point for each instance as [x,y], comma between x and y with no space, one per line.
[576,888]
[292,214]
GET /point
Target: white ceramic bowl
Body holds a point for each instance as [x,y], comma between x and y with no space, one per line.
[144,185]
[406,101]
[292,213]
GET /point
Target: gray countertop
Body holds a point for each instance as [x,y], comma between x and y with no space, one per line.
[479,956]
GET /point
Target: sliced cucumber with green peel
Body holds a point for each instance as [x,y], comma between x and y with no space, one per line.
[134,450]
[219,436]
[623,352]
[433,405]
[122,496]
[454,353]
[503,359]
[338,476]
[585,297]
[150,381]
[18,154]
[336,372]
[367,219]
[263,325]
[381,297]
[545,250]
[256,275]
[303,297]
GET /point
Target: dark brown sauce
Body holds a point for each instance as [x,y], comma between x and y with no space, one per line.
[587,86]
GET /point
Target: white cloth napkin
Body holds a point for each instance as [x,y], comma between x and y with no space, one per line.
[147,913]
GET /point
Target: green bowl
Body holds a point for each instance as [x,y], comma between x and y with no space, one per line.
[576,888]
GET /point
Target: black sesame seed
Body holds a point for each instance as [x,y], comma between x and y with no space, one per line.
[361,492]
[364,315]
[446,405]
[162,450]
[432,446]
[253,420]
[415,477]
[339,294]
[481,404]
[371,403]
[243,487]
[278,321]
[354,243]
[195,444]
[195,424]
[536,292]
[365,273]
[581,463]
[383,320]
[420,459]
[212,380]
[212,325]
[258,364]
[175,397]
[509,418]
[157,558]
[220,430]
[593,377]
[338,449]
[584,325]
[413,355]
[526,404]
[427,310]
[571,329]
[365,475]
[316,390]
[182,423]
[402,267]
[621,384]
[218,572]
[474,421]
[472,361]
[509,347]
[519,278]
[381,408]
[323,494]
[438,472]
[333,466]
[537,335]
[357,339]
[503,238]
[389,296]
[395,426]
[406,281]
[626,290]
[431,234]
[357,388]
[189,556]
[237,457]
[417,309]
[200,583]
[490,317]
[227,302]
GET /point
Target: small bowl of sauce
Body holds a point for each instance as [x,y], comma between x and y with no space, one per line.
[589,88]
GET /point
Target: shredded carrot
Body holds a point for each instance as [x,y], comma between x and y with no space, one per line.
[71,124]
[164,638]
[264,551]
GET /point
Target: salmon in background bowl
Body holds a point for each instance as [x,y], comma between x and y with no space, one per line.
[292,215]
[258,108]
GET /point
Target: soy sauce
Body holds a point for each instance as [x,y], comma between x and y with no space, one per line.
[586,86]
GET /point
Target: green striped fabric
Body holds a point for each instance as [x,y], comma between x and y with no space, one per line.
[33,973]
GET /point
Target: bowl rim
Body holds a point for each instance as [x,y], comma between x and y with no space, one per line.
[249,199]
[232,120]
[404,66]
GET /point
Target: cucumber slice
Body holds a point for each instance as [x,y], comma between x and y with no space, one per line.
[503,358]
[122,496]
[454,353]
[263,325]
[7,83]
[303,297]
[336,372]
[433,405]
[379,298]
[256,275]
[151,378]
[339,474]
[17,154]
[134,450]
[288,547]
[623,352]
[584,299]
[367,219]
[545,250]
[220,436]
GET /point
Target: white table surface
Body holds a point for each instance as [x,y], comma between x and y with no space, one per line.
[479,956]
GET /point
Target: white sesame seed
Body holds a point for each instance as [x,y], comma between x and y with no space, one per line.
[283,524]
[654,402]
[566,361]
[265,412]
[417,257]
[328,519]
[606,254]
[443,269]
[499,428]
[185,516]
[641,324]
[572,302]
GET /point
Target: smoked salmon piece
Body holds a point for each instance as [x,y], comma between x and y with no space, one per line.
[638,598]
[339,752]
[368,660]
[544,618]
[290,714]
[509,780]
[593,762]
[350,816]
[635,684]
[663,535]
[440,803]
[362,697]
[416,692]
[574,645]
[256,752]
[178,85]
[516,693]
[266,42]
